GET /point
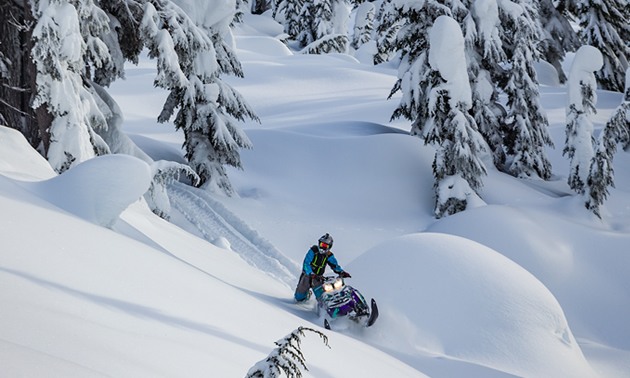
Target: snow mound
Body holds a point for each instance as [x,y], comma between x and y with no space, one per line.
[263,45]
[365,53]
[97,190]
[222,242]
[259,25]
[18,160]
[547,74]
[470,303]
[543,255]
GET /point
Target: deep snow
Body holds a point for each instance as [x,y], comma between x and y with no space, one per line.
[530,285]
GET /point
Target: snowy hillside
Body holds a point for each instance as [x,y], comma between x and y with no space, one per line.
[529,283]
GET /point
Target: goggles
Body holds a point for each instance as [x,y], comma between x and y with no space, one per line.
[323,245]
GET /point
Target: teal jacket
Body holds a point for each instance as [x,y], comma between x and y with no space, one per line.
[315,262]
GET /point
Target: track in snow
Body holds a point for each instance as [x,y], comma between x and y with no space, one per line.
[214,220]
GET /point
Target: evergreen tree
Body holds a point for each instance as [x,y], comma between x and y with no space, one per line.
[605,24]
[323,22]
[388,24]
[165,172]
[241,8]
[94,24]
[123,40]
[559,34]
[287,358]
[581,100]
[58,52]
[414,80]
[78,45]
[437,98]
[601,173]
[457,167]
[484,56]
[328,44]
[190,59]
[363,25]
[526,132]
[306,19]
[291,10]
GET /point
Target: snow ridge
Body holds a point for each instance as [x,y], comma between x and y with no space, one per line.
[214,220]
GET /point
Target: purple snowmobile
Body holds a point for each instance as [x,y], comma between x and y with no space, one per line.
[335,299]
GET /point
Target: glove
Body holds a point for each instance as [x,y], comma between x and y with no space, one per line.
[312,276]
[345,275]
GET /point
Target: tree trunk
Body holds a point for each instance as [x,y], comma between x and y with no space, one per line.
[16,88]
[43,117]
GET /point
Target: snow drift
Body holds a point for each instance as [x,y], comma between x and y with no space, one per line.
[97,190]
[512,323]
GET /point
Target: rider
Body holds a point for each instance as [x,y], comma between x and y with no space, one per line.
[314,267]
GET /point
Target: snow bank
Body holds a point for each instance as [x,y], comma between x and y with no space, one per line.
[263,45]
[365,53]
[547,74]
[19,161]
[468,302]
[97,190]
[258,25]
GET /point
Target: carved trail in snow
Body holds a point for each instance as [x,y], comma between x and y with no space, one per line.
[214,220]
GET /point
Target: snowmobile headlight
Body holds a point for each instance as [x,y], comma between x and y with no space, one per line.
[328,287]
[338,284]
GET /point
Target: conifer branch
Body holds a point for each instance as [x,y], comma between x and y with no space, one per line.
[286,358]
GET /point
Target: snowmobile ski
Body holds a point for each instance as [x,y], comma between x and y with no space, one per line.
[373,314]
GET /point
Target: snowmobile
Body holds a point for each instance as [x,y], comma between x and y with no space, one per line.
[335,299]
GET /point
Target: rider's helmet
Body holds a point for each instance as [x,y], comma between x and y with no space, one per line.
[325,243]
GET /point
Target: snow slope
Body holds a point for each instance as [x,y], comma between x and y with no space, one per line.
[144,299]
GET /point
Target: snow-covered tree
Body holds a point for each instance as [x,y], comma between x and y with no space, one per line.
[75,48]
[414,80]
[71,113]
[601,173]
[605,24]
[560,37]
[287,358]
[457,168]
[261,6]
[387,24]
[165,172]
[291,10]
[324,22]
[328,44]
[190,60]
[123,39]
[241,7]
[526,132]
[484,56]
[581,100]
[363,25]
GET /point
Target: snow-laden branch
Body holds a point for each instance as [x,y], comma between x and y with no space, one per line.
[287,358]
